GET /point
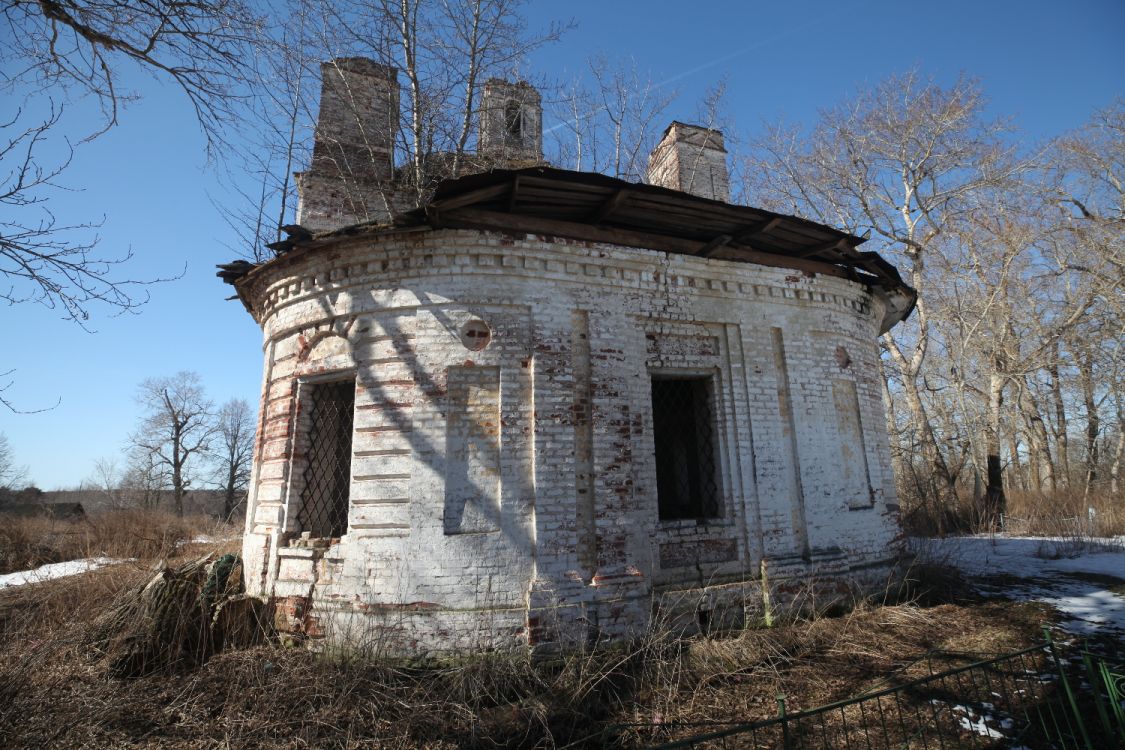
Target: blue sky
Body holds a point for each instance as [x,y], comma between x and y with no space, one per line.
[1046,65]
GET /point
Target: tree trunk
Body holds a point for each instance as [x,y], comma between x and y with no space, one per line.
[178,491]
[892,430]
[1061,443]
[228,496]
[942,483]
[1015,471]
[1115,467]
[1093,421]
[1042,468]
[995,503]
[178,471]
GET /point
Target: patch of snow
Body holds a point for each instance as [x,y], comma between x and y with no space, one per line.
[205,539]
[971,721]
[55,570]
[1048,569]
[1092,610]
[980,728]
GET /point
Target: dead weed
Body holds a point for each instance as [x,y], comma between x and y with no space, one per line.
[53,694]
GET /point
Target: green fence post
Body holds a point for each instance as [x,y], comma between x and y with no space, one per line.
[1113,683]
[784,722]
[1066,689]
[1093,677]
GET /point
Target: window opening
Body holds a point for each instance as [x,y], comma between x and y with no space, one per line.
[684,436]
[513,120]
[327,477]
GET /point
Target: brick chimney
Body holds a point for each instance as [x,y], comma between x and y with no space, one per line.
[692,159]
[353,150]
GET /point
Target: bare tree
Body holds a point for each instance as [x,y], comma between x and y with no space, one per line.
[144,480]
[41,260]
[106,480]
[902,162]
[232,452]
[612,126]
[1088,183]
[1003,303]
[444,50]
[12,475]
[59,50]
[80,46]
[279,117]
[176,429]
[66,48]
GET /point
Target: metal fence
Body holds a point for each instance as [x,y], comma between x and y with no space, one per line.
[1031,698]
[1082,526]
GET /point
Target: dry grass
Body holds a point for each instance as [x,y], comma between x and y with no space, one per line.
[27,543]
[55,691]
[1065,513]
[57,687]
[1060,513]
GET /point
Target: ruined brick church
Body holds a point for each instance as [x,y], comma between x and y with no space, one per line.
[551,407]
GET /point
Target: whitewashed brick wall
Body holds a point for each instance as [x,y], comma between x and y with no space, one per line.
[569,546]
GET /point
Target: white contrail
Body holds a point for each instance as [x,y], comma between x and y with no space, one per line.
[737,53]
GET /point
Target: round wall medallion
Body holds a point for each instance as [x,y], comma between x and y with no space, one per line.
[476,335]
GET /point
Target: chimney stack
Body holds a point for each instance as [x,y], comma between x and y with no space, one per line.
[353,149]
[693,159]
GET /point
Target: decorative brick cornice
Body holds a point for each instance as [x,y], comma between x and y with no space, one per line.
[364,265]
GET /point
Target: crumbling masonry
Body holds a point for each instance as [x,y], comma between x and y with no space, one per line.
[553,407]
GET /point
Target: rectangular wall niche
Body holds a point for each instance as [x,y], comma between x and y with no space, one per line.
[683,421]
[472,450]
[327,477]
[855,475]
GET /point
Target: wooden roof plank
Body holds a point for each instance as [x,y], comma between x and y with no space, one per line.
[473,196]
[518,223]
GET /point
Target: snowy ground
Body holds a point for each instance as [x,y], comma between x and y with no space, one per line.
[74,567]
[1083,579]
[54,570]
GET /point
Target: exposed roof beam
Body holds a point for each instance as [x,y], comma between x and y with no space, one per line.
[611,204]
[741,238]
[713,245]
[758,231]
[833,245]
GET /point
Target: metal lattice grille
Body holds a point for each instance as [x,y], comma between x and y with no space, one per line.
[327,476]
[684,435]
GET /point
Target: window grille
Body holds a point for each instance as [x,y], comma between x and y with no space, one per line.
[327,476]
[684,436]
